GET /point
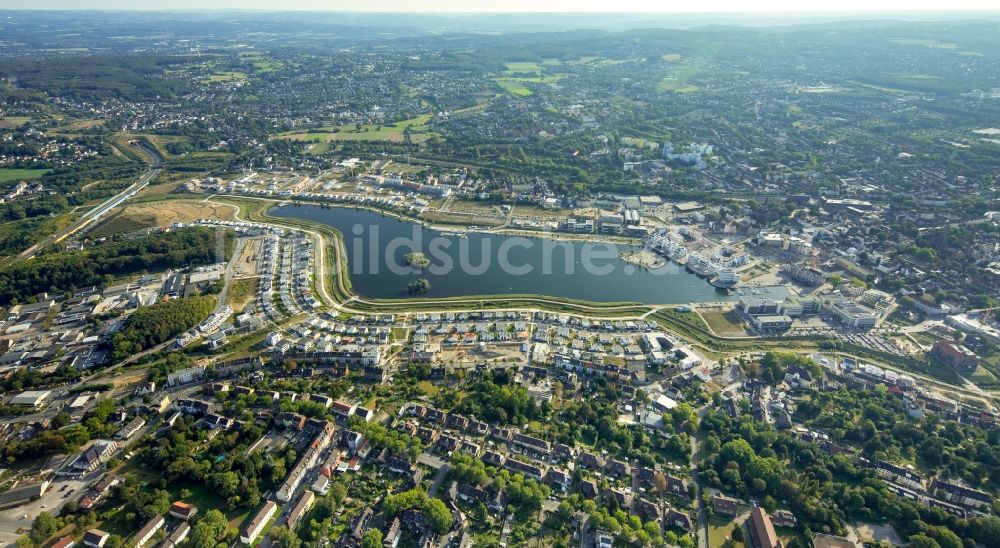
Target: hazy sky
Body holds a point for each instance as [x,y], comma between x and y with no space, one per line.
[684,6]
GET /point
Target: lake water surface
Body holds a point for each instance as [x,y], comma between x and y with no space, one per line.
[495,264]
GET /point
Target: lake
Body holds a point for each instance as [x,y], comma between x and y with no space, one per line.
[494,264]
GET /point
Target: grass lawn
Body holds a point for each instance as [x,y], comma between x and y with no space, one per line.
[194,162]
[114,522]
[427,387]
[12,121]
[157,140]
[319,148]
[927,43]
[785,534]
[925,337]
[513,87]
[521,67]
[723,323]
[226,76]
[201,496]
[475,108]
[676,87]
[267,65]
[76,125]
[982,377]
[719,528]
[516,87]
[9,174]
[419,131]
[541,212]
[459,218]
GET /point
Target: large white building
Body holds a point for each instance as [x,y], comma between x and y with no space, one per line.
[969,324]
[184,376]
[148,530]
[35,399]
[91,457]
[257,524]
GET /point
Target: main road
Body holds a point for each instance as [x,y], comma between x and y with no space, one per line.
[95,214]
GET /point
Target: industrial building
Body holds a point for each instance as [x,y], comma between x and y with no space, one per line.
[35,399]
[23,494]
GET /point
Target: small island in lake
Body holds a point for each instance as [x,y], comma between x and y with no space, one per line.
[418,287]
[417,260]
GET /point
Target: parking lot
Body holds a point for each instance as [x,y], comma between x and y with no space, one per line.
[60,491]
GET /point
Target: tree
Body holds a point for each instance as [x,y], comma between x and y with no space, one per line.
[986,530]
[43,527]
[923,541]
[565,509]
[438,516]
[338,492]
[946,538]
[284,536]
[371,539]
[210,529]
[683,416]
[738,451]
[660,482]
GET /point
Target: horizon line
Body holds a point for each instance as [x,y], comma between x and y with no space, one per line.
[852,10]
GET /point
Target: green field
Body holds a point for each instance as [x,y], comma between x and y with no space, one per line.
[666,86]
[513,87]
[319,148]
[927,43]
[521,67]
[516,87]
[936,44]
[419,131]
[719,529]
[982,377]
[227,76]
[267,65]
[13,121]
[723,323]
[519,73]
[9,174]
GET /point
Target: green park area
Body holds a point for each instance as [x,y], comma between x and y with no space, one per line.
[14,174]
[418,129]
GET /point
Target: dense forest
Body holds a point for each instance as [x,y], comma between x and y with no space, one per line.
[152,325]
[98,77]
[70,270]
